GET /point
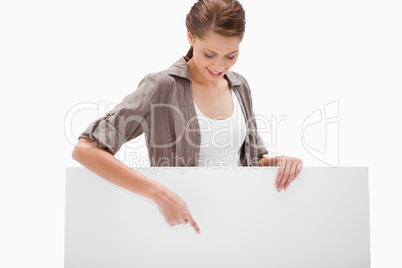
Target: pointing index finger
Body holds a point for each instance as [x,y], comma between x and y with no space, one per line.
[193,224]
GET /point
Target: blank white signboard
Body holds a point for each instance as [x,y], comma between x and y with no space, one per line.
[321,220]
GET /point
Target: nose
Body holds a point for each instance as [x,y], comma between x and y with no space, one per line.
[218,66]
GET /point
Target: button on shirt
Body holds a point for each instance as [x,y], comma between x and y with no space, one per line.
[163,109]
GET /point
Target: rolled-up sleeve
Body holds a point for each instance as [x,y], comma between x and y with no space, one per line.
[127,120]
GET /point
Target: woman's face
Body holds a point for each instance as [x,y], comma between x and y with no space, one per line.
[214,55]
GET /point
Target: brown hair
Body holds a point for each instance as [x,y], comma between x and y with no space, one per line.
[224,17]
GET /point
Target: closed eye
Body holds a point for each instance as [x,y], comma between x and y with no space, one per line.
[210,57]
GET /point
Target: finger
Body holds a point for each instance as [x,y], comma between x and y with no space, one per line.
[281,165]
[291,176]
[299,168]
[285,177]
[193,223]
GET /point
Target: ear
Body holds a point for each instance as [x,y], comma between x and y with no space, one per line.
[190,38]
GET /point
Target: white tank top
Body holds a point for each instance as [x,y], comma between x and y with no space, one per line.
[221,140]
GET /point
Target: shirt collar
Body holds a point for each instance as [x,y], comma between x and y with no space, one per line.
[180,69]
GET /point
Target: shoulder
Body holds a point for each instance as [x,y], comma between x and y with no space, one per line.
[162,79]
[239,80]
[153,84]
[237,75]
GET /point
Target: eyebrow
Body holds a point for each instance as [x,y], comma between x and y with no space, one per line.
[216,53]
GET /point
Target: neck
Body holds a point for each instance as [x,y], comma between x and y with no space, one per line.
[197,77]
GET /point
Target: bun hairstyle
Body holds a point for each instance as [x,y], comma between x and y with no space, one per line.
[224,17]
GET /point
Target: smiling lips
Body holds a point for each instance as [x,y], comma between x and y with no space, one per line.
[214,74]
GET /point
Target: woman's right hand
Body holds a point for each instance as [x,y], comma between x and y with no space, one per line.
[175,210]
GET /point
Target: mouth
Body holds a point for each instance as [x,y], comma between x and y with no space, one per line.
[214,74]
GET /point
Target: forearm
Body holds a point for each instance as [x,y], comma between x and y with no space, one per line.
[108,167]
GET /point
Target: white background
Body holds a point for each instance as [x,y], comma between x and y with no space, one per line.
[298,56]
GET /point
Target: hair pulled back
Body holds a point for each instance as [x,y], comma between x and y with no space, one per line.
[224,17]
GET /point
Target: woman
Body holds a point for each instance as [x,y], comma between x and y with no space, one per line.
[170,107]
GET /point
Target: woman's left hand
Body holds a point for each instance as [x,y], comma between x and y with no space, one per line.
[289,169]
